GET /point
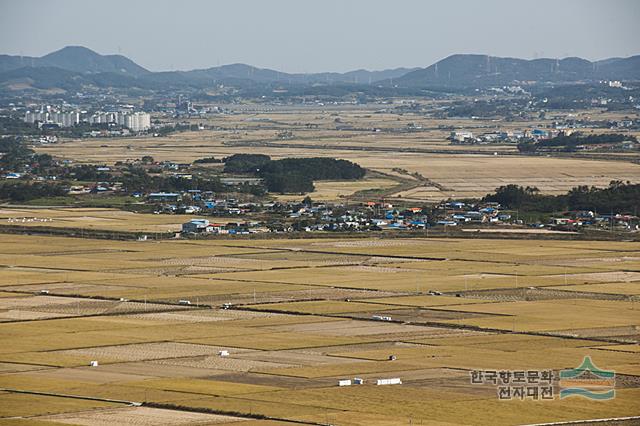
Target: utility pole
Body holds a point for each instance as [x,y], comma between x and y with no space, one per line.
[611,221]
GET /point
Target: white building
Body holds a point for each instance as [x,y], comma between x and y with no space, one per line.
[32,117]
[62,119]
[196,226]
[102,118]
[120,119]
[138,121]
[460,136]
[65,119]
[394,381]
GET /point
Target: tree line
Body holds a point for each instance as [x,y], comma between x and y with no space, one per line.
[618,197]
[21,191]
[293,175]
[570,143]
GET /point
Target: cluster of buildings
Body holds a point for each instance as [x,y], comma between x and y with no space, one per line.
[581,219]
[467,138]
[613,83]
[298,217]
[203,226]
[372,216]
[195,201]
[185,108]
[62,119]
[47,115]
[134,121]
[453,213]
[620,124]
[513,136]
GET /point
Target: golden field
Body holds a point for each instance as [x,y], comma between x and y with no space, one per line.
[303,315]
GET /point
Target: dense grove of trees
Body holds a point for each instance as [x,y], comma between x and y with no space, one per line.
[208,160]
[572,141]
[15,126]
[575,139]
[526,199]
[24,191]
[288,183]
[315,168]
[15,155]
[245,163]
[296,175]
[617,197]
[9,143]
[527,146]
[504,108]
[292,175]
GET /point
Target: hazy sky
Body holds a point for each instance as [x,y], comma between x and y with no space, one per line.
[320,35]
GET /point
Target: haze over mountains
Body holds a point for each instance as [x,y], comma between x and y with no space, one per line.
[483,70]
[73,67]
[75,58]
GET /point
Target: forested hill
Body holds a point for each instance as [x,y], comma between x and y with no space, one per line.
[484,70]
[76,67]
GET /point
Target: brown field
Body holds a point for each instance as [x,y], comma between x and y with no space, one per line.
[302,320]
[142,416]
[90,218]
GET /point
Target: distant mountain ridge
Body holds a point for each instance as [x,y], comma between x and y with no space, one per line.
[265,75]
[85,61]
[78,59]
[472,70]
[81,59]
[72,67]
